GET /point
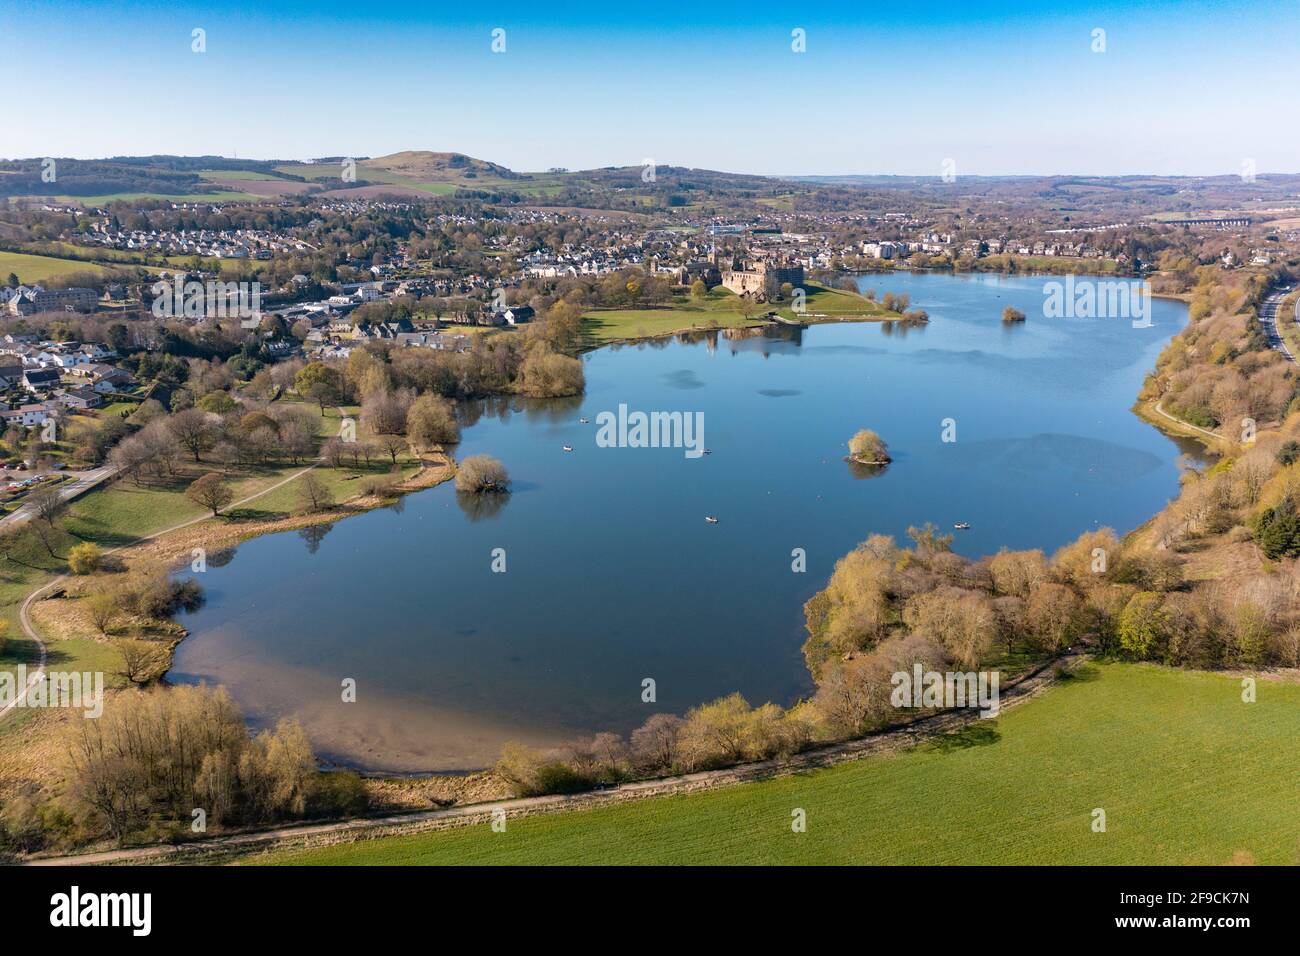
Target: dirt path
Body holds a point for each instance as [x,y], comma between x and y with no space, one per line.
[887,741]
[1179,421]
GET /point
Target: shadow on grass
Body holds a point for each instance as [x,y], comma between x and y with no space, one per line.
[1083,674]
[240,515]
[979,734]
[22,650]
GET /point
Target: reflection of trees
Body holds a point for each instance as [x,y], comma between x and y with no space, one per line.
[219,559]
[502,407]
[314,534]
[552,411]
[859,470]
[481,507]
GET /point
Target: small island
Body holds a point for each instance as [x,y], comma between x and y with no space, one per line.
[1011,315]
[868,448]
[482,474]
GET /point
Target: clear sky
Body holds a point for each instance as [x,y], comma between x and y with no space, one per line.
[893,88]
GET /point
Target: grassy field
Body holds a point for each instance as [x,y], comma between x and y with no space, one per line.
[223,195]
[33,269]
[1185,771]
[719,309]
[369,174]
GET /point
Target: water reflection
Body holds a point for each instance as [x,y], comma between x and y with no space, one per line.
[314,534]
[484,507]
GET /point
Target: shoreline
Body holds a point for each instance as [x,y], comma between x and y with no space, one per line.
[171,546]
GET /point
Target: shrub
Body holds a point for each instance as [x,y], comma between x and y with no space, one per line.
[868,448]
[84,558]
[479,474]
[1277,530]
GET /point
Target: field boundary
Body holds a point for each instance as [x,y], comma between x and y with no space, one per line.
[890,740]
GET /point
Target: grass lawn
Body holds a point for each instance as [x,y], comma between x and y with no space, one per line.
[33,269]
[719,309]
[1186,772]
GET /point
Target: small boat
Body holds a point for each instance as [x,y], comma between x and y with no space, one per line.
[710,519]
[708,451]
[582,421]
[962,526]
[568,448]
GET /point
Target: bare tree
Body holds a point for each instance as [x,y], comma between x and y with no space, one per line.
[142,661]
[194,429]
[47,502]
[101,609]
[313,493]
[210,491]
[392,445]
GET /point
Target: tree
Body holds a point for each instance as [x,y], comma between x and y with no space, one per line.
[210,491]
[715,732]
[142,661]
[333,451]
[313,493]
[1011,314]
[295,439]
[928,540]
[1016,572]
[1142,624]
[654,743]
[392,445]
[320,383]
[549,375]
[84,558]
[868,448]
[102,609]
[698,289]
[219,403]
[384,412]
[1277,530]
[1053,615]
[194,429]
[47,502]
[430,422]
[482,474]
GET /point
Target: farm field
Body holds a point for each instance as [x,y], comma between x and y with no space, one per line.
[1185,771]
[32,269]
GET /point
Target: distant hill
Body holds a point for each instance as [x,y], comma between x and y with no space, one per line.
[425,166]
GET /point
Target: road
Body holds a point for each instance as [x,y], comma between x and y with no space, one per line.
[1268,319]
[82,481]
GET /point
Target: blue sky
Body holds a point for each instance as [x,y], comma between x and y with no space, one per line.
[897,88]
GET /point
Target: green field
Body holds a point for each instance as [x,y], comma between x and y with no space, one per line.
[369,174]
[1186,773]
[32,269]
[719,309]
[235,174]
